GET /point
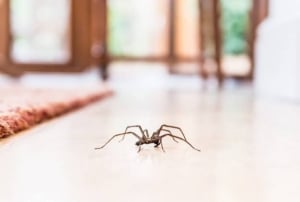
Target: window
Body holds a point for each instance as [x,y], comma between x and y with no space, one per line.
[138,28]
[40,31]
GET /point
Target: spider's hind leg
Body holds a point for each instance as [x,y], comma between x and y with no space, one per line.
[184,140]
[121,134]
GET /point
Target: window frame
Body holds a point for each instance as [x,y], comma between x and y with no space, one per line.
[80,26]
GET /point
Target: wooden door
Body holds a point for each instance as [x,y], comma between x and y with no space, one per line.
[210,39]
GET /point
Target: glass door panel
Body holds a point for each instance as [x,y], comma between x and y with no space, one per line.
[187,41]
[40,31]
[235,24]
[138,28]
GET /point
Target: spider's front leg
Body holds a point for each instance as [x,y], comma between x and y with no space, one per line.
[157,144]
[161,143]
[134,126]
[140,148]
[118,136]
[162,146]
[166,128]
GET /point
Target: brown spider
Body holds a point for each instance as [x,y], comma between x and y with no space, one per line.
[156,137]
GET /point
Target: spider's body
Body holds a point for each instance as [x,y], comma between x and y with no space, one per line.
[156,137]
[147,141]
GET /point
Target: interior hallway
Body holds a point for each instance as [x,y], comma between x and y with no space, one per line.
[249,147]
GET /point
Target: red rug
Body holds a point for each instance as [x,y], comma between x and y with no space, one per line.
[22,108]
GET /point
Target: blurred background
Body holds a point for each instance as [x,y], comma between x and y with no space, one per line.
[212,42]
[226,71]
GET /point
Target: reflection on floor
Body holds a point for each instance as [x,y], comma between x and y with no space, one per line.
[249,147]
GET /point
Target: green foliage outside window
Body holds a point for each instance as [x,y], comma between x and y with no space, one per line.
[235,24]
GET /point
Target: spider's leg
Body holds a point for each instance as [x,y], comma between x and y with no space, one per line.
[117,136]
[162,146]
[146,133]
[181,139]
[174,127]
[134,126]
[159,142]
[140,148]
[168,131]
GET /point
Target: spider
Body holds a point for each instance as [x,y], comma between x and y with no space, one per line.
[156,137]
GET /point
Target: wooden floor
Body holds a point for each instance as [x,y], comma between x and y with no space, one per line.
[250,149]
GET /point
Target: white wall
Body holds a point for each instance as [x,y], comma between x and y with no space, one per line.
[278,52]
[284,8]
